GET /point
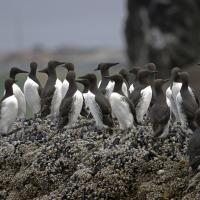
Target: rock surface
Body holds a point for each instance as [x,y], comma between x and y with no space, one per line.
[165,32]
[37,162]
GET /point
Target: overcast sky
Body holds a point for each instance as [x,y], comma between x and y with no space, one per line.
[51,23]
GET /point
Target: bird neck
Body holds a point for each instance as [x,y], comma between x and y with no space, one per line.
[160,95]
[185,86]
[32,73]
[118,87]
[12,76]
[52,74]
[93,86]
[72,84]
[105,72]
[9,92]
[85,89]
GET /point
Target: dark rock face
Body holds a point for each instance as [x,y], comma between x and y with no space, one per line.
[37,162]
[165,32]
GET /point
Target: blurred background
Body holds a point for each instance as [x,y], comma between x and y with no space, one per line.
[132,32]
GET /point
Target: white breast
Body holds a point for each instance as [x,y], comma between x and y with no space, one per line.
[125,89]
[131,88]
[121,110]
[109,88]
[171,102]
[181,113]
[57,98]
[21,101]
[86,98]
[65,87]
[95,110]
[76,107]
[32,96]
[9,110]
[143,104]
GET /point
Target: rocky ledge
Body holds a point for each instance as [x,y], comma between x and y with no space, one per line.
[37,162]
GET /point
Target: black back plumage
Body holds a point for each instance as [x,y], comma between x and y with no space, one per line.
[33,76]
[66,104]
[49,89]
[100,99]
[8,89]
[160,112]
[141,83]
[104,68]
[189,103]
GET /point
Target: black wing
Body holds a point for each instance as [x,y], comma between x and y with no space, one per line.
[64,111]
[159,116]
[46,99]
[105,108]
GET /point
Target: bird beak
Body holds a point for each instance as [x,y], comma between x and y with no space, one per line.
[60,63]
[82,77]
[22,71]
[112,64]
[107,77]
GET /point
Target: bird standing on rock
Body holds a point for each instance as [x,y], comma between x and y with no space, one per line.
[186,103]
[142,94]
[18,92]
[122,107]
[65,84]
[98,104]
[134,71]
[51,94]
[160,111]
[173,90]
[71,104]
[105,86]
[32,90]
[8,108]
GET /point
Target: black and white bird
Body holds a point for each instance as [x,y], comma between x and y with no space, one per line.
[98,104]
[71,104]
[126,82]
[186,103]
[194,145]
[121,106]
[142,94]
[152,77]
[173,90]
[85,109]
[33,89]
[133,71]
[160,111]
[51,96]
[18,92]
[105,86]
[65,84]
[8,108]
